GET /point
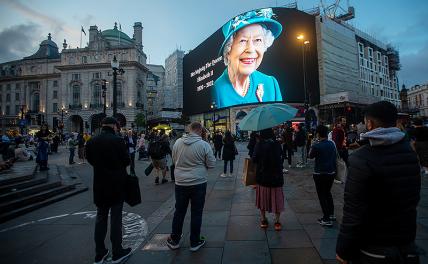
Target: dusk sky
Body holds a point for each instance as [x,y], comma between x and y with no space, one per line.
[184,24]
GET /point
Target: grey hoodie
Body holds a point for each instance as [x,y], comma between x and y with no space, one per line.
[192,157]
[383,136]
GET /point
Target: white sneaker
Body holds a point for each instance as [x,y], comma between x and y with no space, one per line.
[289,166]
[229,174]
[223,175]
[284,171]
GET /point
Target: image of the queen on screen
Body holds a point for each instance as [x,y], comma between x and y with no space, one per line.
[246,39]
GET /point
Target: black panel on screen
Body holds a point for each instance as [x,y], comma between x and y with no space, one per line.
[283,60]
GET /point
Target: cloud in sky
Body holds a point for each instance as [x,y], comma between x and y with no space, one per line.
[19,41]
[415,67]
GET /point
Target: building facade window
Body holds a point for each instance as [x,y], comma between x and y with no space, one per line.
[75,77]
[54,107]
[55,94]
[55,83]
[7,110]
[84,59]
[17,97]
[96,75]
[119,94]
[8,97]
[76,94]
[96,94]
[36,102]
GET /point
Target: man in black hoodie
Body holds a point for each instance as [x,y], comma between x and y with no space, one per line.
[382,192]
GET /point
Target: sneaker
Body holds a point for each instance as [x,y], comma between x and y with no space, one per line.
[157,181]
[278,226]
[164,181]
[223,175]
[172,244]
[99,259]
[264,223]
[198,245]
[289,166]
[285,171]
[337,181]
[325,222]
[229,174]
[122,256]
[332,218]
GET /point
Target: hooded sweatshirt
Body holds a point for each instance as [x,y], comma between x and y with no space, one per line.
[192,157]
[383,136]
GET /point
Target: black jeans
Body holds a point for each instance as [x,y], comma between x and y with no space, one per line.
[287,153]
[101,223]
[217,151]
[196,195]
[323,183]
[344,154]
[132,165]
[225,166]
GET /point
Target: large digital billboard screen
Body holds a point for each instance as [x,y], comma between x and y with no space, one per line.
[256,57]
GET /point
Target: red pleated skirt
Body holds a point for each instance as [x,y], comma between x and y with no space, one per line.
[270,199]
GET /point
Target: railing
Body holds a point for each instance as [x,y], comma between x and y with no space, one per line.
[75,107]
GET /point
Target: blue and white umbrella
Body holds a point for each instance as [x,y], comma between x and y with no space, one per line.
[267,116]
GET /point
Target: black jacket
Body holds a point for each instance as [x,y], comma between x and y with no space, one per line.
[382,192]
[267,156]
[229,150]
[108,154]
[129,145]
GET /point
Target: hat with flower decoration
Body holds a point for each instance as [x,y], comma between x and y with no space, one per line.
[260,16]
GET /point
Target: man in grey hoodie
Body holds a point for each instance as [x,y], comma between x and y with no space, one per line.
[192,157]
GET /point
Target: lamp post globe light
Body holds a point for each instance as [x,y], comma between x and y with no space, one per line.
[116,70]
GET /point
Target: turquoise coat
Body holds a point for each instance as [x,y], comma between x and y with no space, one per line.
[224,95]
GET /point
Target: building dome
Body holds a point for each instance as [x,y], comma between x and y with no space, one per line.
[47,50]
[115,36]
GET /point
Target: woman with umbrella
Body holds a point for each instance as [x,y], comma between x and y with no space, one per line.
[269,178]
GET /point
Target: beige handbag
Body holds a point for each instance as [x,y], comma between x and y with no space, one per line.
[249,174]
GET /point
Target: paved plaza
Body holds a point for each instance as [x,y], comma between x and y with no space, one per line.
[63,232]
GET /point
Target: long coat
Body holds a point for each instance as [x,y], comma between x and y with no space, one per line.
[229,150]
[108,154]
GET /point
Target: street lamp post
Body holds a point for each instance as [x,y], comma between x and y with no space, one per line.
[304,44]
[104,95]
[213,107]
[116,70]
[21,126]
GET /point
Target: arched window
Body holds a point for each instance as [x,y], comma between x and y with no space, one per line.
[119,94]
[36,102]
[76,94]
[96,94]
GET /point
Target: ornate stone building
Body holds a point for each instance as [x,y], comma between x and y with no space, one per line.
[53,87]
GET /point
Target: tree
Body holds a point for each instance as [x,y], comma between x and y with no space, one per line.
[140,120]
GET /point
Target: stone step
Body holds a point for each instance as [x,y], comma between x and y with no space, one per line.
[21,193]
[11,180]
[35,198]
[23,210]
[21,185]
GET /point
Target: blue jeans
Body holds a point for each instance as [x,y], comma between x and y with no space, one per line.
[196,195]
[71,158]
[225,166]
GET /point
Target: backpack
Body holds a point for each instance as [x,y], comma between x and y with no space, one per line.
[156,150]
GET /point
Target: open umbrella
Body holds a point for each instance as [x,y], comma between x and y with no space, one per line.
[267,116]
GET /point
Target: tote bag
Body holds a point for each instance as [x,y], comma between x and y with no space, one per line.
[249,174]
[132,194]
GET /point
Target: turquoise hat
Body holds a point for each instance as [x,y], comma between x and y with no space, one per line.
[259,16]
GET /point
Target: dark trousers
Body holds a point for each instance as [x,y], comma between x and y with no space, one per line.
[71,158]
[101,223]
[343,153]
[196,195]
[287,153]
[225,166]
[132,166]
[323,183]
[217,151]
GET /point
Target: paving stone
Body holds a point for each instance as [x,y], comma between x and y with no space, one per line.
[152,257]
[295,256]
[226,185]
[218,205]
[215,218]
[244,209]
[316,231]
[288,239]
[244,228]
[254,252]
[305,206]
[203,256]
[326,247]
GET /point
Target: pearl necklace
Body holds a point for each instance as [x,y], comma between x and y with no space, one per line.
[243,92]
